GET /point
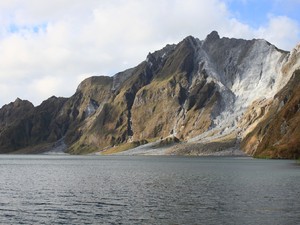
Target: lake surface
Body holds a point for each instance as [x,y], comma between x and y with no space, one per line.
[45,189]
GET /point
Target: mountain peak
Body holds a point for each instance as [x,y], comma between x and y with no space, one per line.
[212,36]
[19,102]
[190,42]
[190,39]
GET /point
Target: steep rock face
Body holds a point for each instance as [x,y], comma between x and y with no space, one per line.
[80,111]
[168,104]
[245,71]
[268,135]
[12,117]
[278,134]
[14,111]
[23,125]
[111,123]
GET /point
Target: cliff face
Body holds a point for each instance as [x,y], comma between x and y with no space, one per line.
[197,91]
[274,133]
[167,105]
[278,133]
[157,99]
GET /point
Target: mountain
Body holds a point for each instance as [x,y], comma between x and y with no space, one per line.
[215,94]
[23,126]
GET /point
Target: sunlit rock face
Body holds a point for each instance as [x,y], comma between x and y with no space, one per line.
[199,91]
[277,135]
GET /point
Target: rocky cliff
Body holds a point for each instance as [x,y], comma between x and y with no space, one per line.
[28,128]
[216,92]
[277,135]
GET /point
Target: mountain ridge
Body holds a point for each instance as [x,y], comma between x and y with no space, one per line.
[214,90]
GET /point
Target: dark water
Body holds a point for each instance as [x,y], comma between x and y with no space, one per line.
[148,190]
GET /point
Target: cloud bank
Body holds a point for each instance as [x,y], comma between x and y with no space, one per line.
[48,47]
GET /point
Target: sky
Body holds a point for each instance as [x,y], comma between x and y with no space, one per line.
[48,47]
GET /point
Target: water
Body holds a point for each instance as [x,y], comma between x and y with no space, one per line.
[147,190]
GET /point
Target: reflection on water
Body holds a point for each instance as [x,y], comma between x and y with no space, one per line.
[147,190]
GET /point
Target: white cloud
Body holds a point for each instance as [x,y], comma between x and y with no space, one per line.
[45,85]
[54,43]
[281,31]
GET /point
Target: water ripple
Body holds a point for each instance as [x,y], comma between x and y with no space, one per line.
[147,190]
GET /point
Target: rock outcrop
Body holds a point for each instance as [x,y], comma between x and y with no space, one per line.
[219,90]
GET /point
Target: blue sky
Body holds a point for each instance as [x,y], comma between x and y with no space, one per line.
[256,12]
[48,47]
